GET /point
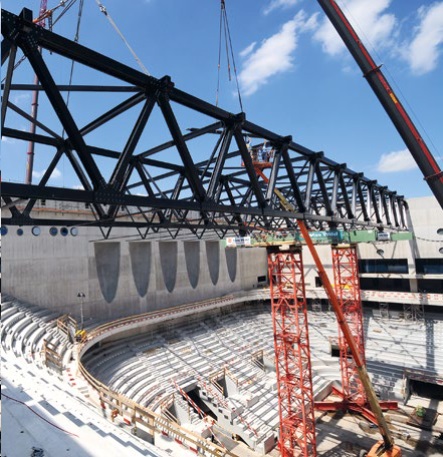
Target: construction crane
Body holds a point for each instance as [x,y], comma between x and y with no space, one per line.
[392,105]
[41,21]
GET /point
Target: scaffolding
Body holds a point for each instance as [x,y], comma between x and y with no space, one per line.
[347,288]
[292,353]
[413,312]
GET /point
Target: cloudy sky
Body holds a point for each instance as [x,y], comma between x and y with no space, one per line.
[295,75]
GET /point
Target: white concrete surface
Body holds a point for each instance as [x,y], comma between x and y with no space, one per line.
[49,405]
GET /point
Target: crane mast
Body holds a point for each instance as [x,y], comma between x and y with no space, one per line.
[34,106]
[392,105]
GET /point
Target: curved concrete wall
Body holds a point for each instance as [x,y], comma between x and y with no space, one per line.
[119,277]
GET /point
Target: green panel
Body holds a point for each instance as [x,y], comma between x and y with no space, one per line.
[362,236]
[402,236]
[327,236]
[320,237]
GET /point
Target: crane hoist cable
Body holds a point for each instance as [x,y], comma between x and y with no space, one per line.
[76,38]
[114,25]
[48,14]
[65,10]
[224,31]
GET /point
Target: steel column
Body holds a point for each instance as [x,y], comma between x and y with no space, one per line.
[292,354]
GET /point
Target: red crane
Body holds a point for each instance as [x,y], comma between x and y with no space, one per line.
[390,102]
[41,20]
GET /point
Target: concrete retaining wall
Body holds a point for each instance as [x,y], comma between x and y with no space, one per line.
[119,277]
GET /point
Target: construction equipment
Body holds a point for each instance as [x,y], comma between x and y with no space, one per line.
[386,446]
[390,102]
[41,21]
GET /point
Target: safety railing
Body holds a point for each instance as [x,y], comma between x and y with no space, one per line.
[170,313]
[65,323]
[138,415]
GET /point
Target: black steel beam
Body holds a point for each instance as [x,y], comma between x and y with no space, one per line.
[190,168]
[7,86]
[224,190]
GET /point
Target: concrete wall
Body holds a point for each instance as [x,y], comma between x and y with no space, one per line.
[120,277]
[426,217]
[126,276]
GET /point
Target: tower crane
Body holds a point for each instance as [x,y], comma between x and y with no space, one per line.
[390,102]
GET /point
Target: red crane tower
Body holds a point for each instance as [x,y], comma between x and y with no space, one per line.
[41,20]
[347,288]
[292,353]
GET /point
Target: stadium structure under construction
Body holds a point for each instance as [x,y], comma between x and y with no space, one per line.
[215,290]
[179,343]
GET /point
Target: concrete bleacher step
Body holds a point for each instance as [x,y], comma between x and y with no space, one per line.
[143,367]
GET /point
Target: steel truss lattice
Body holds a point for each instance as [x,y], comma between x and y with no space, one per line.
[198,177]
[292,354]
[347,288]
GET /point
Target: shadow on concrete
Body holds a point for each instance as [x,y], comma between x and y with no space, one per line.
[192,257]
[168,262]
[213,259]
[140,253]
[231,263]
[107,262]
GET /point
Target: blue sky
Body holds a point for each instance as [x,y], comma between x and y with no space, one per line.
[296,77]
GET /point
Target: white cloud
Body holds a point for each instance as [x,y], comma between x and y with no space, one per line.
[21,98]
[423,52]
[274,55]
[396,161]
[248,49]
[56,174]
[369,20]
[275,4]
[8,140]
[78,187]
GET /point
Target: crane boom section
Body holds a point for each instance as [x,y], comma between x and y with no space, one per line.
[393,107]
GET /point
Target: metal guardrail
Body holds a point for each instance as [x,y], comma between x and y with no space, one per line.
[153,422]
[171,313]
[138,414]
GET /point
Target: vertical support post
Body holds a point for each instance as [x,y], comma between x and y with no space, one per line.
[292,354]
[347,288]
[81,296]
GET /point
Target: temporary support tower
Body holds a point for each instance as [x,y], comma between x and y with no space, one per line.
[292,353]
[347,291]
[347,288]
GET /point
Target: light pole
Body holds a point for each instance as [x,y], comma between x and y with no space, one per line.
[81,296]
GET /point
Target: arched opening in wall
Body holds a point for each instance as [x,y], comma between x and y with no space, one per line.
[107,263]
[140,253]
[168,262]
[192,258]
[213,260]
